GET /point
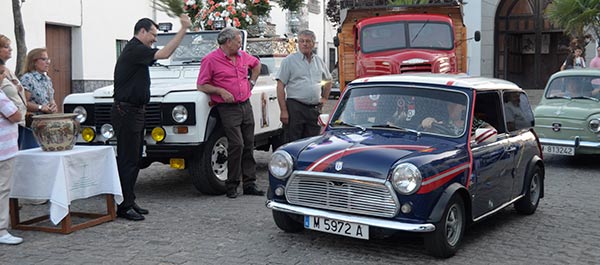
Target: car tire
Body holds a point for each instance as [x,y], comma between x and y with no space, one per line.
[209,167]
[528,204]
[286,222]
[445,240]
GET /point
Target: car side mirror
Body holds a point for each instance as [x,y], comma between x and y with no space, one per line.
[323,119]
[477,36]
[485,135]
[336,41]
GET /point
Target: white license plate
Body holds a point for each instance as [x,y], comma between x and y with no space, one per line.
[559,150]
[336,227]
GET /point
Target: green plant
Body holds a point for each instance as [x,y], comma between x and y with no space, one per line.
[291,5]
[575,16]
[259,7]
[174,8]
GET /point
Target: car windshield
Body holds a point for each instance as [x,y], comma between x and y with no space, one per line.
[193,47]
[574,87]
[403,109]
[393,35]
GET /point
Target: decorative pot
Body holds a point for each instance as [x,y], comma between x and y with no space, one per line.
[55,132]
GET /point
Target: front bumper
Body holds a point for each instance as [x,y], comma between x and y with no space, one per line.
[370,221]
[570,143]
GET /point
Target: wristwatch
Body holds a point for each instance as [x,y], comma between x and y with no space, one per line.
[39,107]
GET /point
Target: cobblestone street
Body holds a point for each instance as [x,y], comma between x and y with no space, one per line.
[186,227]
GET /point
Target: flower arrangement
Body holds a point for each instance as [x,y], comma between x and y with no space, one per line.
[233,14]
[259,7]
[174,8]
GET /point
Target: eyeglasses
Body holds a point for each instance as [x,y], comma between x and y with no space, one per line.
[45,59]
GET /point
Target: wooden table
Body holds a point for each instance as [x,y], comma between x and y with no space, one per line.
[62,177]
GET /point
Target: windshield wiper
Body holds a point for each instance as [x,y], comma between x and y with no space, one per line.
[391,126]
[160,64]
[588,97]
[192,61]
[564,97]
[419,32]
[343,123]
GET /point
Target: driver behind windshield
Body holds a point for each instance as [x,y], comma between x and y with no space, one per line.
[454,124]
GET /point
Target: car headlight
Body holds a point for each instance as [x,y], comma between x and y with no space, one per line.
[179,114]
[594,125]
[107,131]
[281,164]
[81,114]
[406,178]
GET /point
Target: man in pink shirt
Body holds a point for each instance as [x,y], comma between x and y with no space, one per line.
[595,63]
[224,76]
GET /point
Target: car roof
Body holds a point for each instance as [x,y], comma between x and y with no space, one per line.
[458,80]
[576,72]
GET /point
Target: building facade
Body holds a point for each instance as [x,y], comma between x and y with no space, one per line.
[84,41]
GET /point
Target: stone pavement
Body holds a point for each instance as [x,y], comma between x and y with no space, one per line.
[186,227]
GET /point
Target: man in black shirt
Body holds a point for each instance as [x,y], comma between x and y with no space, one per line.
[132,93]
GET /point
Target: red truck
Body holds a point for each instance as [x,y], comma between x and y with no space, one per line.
[378,38]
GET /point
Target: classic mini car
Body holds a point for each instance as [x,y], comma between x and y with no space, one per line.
[423,153]
[568,116]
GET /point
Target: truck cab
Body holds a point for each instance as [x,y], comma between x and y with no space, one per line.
[182,127]
[377,38]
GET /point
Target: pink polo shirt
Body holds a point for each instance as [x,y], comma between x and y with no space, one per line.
[218,70]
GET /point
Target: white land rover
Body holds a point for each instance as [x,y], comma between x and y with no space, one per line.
[182,127]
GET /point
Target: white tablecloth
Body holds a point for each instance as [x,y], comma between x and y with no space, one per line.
[65,176]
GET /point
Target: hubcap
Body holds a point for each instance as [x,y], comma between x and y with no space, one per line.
[534,189]
[453,225]
[219,158]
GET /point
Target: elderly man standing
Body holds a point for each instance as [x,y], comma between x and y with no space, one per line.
[223,75]
[303,86]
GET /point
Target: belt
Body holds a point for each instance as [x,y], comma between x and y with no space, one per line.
[304,104]
[131,105]
[236,103]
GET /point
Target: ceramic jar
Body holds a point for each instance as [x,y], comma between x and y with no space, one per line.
[55,132]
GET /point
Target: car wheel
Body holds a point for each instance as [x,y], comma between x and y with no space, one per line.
[286,223]
[528,204]
[209,167]
[449,231]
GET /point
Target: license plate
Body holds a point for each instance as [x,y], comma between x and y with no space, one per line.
[559,150]
[336,227]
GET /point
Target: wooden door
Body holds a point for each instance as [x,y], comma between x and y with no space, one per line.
[58,43]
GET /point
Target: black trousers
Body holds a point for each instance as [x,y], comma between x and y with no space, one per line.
[238,124]
[302,121]
[128,122]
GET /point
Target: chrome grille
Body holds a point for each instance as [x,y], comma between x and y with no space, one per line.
[344,193]
[153,115]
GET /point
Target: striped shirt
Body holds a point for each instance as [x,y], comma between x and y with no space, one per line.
[8,129]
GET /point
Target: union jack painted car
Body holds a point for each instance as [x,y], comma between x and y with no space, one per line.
[424,153]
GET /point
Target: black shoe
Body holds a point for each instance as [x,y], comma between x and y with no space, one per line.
[130,214]
[139,209]
[232,193]
[252,190]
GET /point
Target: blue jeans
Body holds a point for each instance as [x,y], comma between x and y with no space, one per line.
[26,139]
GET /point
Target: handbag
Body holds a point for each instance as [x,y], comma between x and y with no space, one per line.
[28,119]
